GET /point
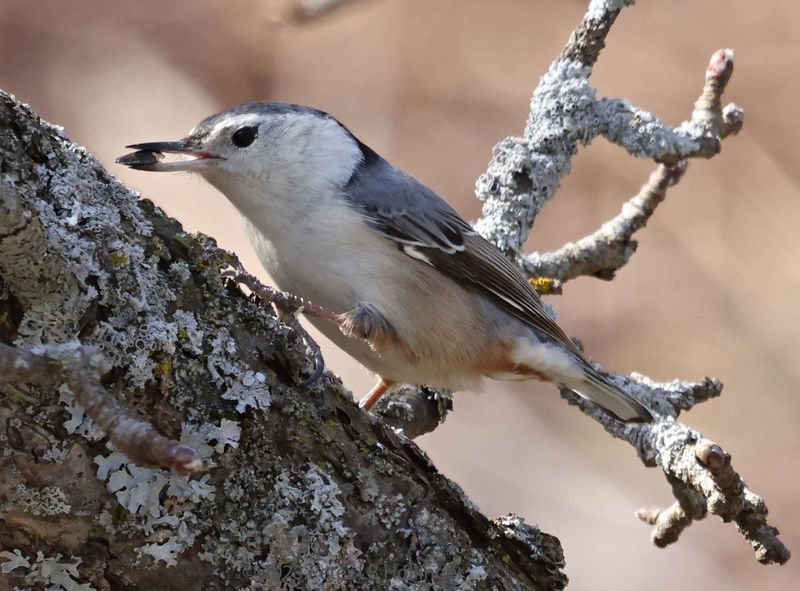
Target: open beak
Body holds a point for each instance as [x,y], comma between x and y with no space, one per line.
[149,156]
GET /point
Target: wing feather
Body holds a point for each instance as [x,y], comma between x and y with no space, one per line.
[426,228]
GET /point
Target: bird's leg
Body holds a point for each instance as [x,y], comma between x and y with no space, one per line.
[285,301]
[365,322]
[372,396]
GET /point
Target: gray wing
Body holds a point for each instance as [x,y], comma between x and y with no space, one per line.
[426,228]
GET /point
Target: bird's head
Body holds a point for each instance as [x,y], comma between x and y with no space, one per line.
[263,149]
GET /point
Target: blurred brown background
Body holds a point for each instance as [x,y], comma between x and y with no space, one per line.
[432,86]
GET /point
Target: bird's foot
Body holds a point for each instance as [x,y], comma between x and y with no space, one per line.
[287,305]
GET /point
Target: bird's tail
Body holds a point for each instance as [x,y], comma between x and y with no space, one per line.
[598,389]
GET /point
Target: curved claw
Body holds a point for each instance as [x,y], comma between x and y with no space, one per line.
[316,352]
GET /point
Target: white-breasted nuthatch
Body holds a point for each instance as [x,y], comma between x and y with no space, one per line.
[336,224]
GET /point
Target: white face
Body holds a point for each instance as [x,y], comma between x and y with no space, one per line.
[285,150]
[271,153]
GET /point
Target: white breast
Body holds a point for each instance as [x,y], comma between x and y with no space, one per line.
[335,260]
[328,255]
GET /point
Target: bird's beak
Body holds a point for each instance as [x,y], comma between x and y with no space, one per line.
[148,156]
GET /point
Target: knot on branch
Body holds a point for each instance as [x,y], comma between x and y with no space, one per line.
[415,411]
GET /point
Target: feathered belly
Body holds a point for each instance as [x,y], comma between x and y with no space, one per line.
[441,330]
[401,366]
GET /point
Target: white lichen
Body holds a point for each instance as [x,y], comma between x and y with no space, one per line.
[99,231]
[300,519]
[163,501]
[13,560]
[251,390]
[139,489]
[78,423]
[525,172]
[475,574]
[167,552]
[189,331]
[57,453]
[390,510]
[641,133]
[50,573]
[207,437]
[246,387]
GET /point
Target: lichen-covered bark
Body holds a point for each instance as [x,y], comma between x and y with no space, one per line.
[301,491]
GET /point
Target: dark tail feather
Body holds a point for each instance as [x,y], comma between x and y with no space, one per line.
[605,394]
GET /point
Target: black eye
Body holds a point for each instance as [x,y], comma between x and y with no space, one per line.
[244,136]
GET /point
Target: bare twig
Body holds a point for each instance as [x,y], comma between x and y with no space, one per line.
[602,253]
[77,365]
[670,522]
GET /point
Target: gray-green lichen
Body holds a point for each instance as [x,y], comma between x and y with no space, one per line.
[48,500]
[299,518]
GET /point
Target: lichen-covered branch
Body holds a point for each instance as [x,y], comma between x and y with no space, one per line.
[699,472]
[76,366]
[300,486]
[642,134]
[525,172]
